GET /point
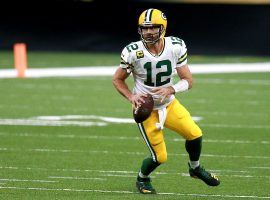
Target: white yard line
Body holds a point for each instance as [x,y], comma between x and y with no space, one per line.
[109,70]
[42,122]
[247,176]
[259,167]
[117,172]
[122,175]
[236,126]
[233,81]
[36,122]
[77,178]
[130,192]
[26,180]
[100,137]
[128,153]
[223,113]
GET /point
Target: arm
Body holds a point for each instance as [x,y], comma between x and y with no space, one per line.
[184,84]
[119,83]
[185,74]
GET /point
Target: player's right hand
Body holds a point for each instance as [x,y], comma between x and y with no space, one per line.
[137,99]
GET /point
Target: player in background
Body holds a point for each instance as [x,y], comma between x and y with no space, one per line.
[152,61]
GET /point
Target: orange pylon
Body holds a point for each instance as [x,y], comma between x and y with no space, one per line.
[20,59]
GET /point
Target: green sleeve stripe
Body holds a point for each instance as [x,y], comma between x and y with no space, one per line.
[126,63]
[179,62]
[182,57]
[123,61]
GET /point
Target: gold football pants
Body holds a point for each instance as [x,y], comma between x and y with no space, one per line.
[178,119]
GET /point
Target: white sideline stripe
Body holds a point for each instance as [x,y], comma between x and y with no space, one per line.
[126,138]
[109,70]
[236,126]
[109,171]
[105,119]
[58,121]
[130,192]
[25,180]
[231,114]
[259,167]
[77,178]
[247,176]
[30,122]
[233,81]
[128,153]
[119,175]
[130,174]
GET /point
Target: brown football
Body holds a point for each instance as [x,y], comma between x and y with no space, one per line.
[143,112]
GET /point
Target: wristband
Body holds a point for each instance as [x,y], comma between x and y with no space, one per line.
[181,86]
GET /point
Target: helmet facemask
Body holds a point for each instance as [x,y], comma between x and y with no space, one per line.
[151,38]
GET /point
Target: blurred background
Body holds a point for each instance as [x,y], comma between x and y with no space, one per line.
[209,27]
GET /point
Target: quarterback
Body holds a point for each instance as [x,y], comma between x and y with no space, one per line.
[152,62]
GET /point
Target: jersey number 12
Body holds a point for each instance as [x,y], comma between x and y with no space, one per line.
[157,81]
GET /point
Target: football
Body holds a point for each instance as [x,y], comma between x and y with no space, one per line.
[143,112]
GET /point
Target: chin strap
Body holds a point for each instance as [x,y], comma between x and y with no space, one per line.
[162,114]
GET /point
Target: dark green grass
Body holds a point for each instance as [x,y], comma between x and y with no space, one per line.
[43,59]
[235,111]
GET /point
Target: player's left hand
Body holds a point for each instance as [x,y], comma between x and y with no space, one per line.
[164,92]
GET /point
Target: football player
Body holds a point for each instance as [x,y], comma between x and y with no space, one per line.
[152,61]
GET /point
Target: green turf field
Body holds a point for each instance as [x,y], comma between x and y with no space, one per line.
[101,162]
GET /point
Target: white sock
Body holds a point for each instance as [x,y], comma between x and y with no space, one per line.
[194,164]
[142,175]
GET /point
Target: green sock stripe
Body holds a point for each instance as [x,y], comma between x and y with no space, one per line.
[142,130]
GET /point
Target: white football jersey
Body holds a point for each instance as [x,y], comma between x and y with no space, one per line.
[151,71]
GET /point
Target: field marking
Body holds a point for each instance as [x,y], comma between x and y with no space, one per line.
[131,174]
[236,126]
[131,192]
[259,167]
[231,113]
[233,81]
[104,121]
[58,120]
[26,180]
[247,176]
[68,120]
[110,70]
[126,152]
[83,117]
[29,122]
[110,171]
[77,178]
[100,137]
[122,175]
[235,102]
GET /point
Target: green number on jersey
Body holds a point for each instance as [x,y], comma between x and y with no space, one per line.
[132,47]
[176,40]
[148,67]
[167,73]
